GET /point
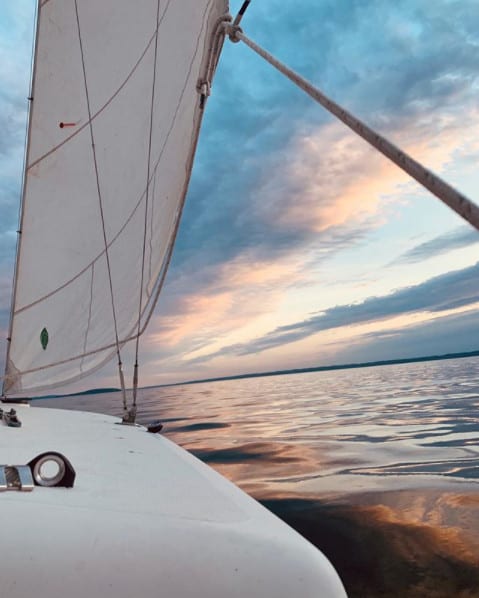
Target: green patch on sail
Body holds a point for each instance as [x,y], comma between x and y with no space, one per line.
[44,338]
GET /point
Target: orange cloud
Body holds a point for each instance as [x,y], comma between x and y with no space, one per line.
[241,292]
[335,178]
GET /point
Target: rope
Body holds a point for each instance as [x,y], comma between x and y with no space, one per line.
[437,186]
[107,255]
[217,36]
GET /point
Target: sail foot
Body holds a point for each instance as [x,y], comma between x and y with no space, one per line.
[12,382]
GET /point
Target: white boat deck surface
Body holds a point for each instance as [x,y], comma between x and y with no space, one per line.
[144,518]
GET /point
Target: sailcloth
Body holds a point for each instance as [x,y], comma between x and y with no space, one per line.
[113,128]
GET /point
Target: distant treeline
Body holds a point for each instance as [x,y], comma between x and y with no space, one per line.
[327,368]
[322,368]
[92,391]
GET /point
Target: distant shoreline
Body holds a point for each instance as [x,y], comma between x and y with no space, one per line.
[322,368]
[328,368]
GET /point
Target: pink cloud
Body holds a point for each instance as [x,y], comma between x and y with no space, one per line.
[328,180]
[241,291]
[333,178]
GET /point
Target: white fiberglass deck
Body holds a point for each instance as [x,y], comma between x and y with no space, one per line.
[145,518]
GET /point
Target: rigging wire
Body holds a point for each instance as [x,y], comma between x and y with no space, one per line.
[437,186]
[241,12]
[217,38]
[132,411]
[107,254]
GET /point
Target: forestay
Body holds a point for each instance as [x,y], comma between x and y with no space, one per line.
[89,180]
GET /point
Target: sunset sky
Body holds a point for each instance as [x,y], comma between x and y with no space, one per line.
[300,245]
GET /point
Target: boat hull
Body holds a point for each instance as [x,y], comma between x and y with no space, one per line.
[145,518]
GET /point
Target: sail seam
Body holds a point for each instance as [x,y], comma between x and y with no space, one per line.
[47,366]
[107,103]
[164,268]
[166,214]
[75,378]
[143,195]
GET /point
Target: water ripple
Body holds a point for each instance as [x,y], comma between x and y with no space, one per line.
[377,466]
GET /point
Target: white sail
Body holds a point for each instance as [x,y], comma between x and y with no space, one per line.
[93,168]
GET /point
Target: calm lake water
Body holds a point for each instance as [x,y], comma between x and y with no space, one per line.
[379,467]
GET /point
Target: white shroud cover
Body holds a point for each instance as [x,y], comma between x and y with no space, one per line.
[62,325]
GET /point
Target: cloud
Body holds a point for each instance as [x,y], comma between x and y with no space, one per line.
[277,186]
[16,36]
[272,171]
[455,333]
[320,202]
[455,239]
[232,298]
[440,294]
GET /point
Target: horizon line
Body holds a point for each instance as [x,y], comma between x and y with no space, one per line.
[320,368]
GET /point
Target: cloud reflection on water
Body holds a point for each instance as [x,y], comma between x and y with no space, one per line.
[377,466]
[410,543]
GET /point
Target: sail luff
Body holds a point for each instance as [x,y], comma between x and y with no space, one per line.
[212,62]
[31,95]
